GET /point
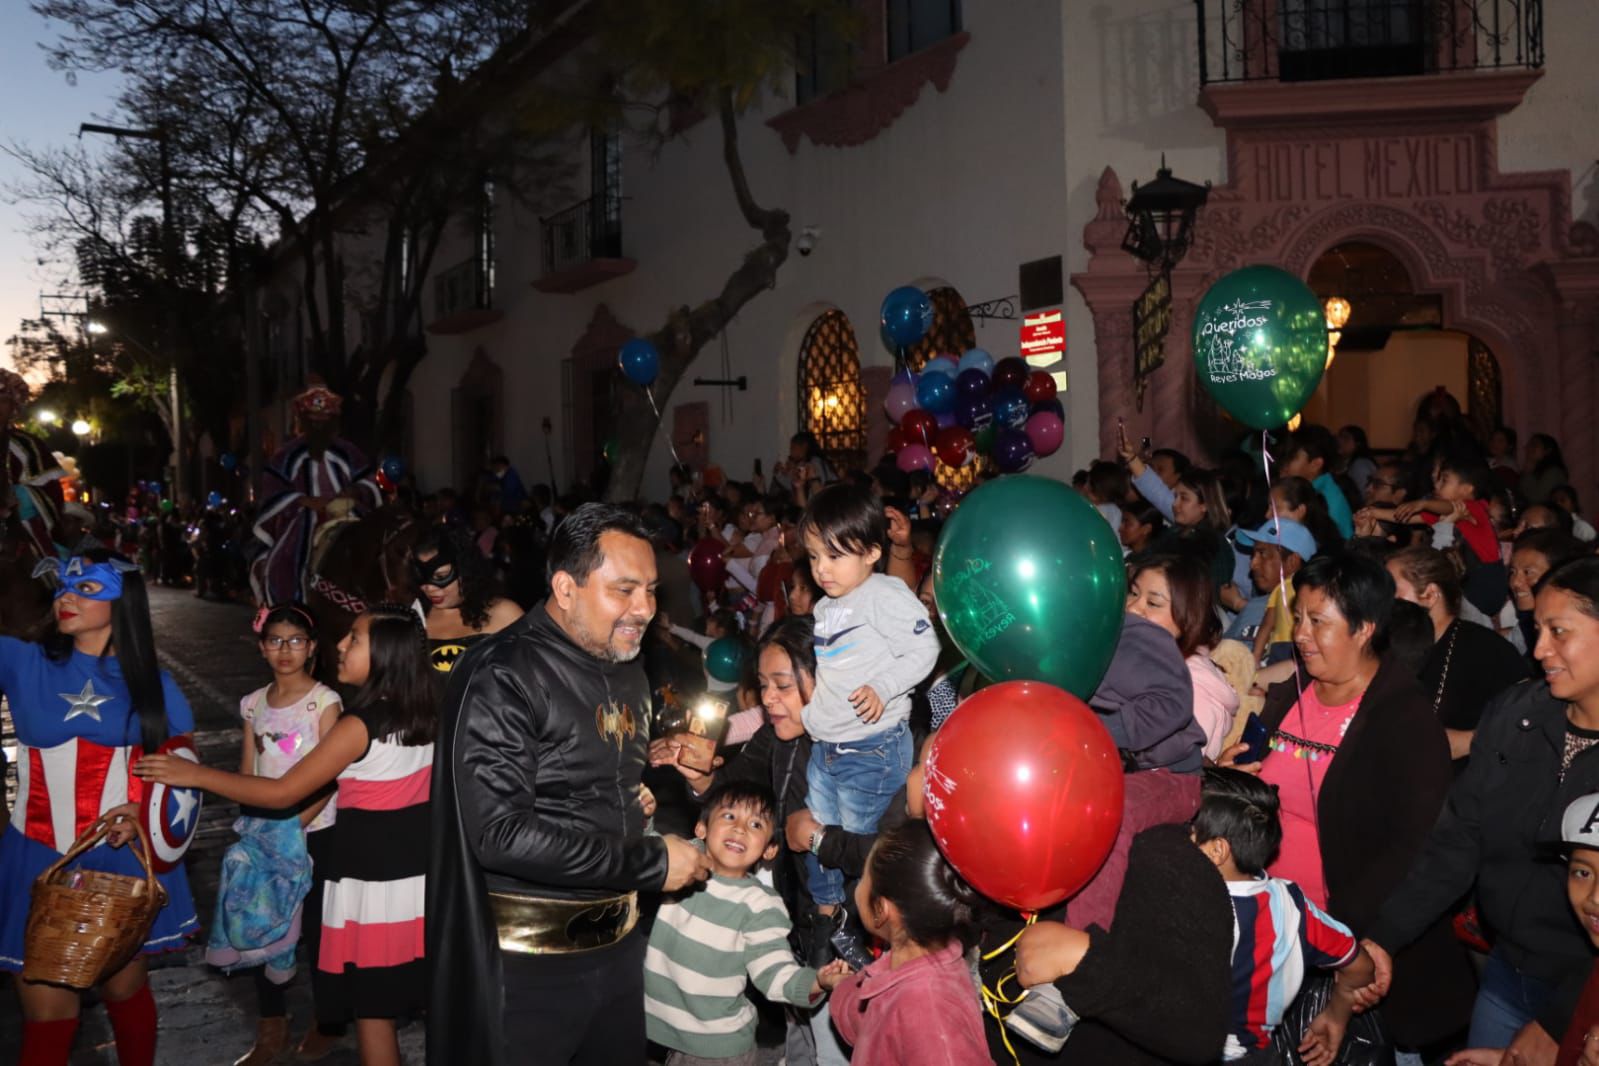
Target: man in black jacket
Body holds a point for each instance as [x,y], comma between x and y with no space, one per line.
[539,849]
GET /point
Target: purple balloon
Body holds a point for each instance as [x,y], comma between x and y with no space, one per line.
[946,419]
[974,412]
[900,401]
[1051,404]
[915,457]
[972,382]
[1046,431]
[903,376]
[1013,452]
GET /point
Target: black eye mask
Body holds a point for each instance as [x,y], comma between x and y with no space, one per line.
[437,572]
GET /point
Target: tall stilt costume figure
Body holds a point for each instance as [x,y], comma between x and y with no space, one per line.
[31,470]
[83,720]
[316,477]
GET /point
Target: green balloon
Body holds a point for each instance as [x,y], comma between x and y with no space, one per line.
[609,450]
[1030,584]
[724,659]
[1260,344]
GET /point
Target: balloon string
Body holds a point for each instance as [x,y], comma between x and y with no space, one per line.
[1282,586]
[649,394]
[996,997]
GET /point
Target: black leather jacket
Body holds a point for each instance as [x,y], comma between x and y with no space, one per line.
[540,751]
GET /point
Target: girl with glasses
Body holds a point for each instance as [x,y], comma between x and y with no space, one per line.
[283,721]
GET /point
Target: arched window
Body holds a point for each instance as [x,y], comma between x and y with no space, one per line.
[952,331]
[832,403]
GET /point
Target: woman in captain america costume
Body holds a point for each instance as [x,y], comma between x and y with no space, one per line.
[86,703]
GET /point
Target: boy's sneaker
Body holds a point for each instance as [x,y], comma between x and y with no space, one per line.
[1043,1018]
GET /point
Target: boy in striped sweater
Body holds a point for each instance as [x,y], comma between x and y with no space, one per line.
[708,944]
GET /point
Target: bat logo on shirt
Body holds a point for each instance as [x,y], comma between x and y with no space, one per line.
[615,724]
[444,656]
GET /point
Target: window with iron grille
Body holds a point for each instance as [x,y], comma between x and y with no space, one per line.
[832,402]
[952,334]
[915,24]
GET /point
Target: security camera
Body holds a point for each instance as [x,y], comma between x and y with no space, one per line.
[807,240]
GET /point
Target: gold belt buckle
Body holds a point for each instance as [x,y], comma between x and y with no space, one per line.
[531,926]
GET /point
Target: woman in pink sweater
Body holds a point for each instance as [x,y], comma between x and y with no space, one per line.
[916,1005]
[1175,592]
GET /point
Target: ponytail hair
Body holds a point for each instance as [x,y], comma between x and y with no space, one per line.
[908,870]
[401,678]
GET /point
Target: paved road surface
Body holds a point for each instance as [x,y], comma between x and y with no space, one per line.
[206,1019]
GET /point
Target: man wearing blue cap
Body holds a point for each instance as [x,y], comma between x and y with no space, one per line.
[1278,549]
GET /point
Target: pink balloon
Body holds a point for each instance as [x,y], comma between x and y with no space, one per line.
[915,457]
[901,400]
[1046,432]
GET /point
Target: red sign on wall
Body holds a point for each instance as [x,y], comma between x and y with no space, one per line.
[1043,335]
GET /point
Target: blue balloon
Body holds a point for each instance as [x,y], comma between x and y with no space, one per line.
[1010,408]
[1013,452]
[978,359]
[935,393]
[1051,404]
[640,361]
[907,315]
[228,461]
[393,468]
[155,487]
[213,499]
[972,382]
[974,412]
[942,364]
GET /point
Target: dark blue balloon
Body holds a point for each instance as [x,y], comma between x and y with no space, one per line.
[974,412]
[1051,404]
[972,382]
[155,487]
[1010,408]
[907,315]
[393,468]
[640,361]
[1013,452]
[935,393]
[228,461]
[213,498]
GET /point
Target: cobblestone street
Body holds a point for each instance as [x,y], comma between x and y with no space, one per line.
[206,1018]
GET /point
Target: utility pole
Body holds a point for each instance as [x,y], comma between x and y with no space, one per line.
[169,286]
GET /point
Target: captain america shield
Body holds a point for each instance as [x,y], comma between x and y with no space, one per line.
[171,814]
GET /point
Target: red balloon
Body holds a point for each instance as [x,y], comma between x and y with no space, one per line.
[1024,793]
[955,446]
[1040,387]
[920,427]
[895,440]
[1010,373]
[706,565]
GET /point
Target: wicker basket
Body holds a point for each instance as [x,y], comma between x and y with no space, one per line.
[84,925]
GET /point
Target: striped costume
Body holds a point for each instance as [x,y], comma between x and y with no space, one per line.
[1277,934]
[287,528]
[371,951]
[77,736]
[703,949]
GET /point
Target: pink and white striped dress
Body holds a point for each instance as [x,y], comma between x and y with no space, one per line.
[372,935]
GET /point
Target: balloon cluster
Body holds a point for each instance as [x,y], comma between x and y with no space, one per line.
[954,411]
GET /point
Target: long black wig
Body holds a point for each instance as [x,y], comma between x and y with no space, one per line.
[133,643]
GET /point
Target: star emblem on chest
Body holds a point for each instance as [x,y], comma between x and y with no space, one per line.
[84,703]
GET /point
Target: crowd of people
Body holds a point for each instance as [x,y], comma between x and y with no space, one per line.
[642,783]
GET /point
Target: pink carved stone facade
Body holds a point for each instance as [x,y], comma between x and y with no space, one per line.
[1410,164]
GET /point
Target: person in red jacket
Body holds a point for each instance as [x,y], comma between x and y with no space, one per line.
[916,1004]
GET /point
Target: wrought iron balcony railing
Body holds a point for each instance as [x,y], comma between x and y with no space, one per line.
[1316,40]
[583,232]
[466,286]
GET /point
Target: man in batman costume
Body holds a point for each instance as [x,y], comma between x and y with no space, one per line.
[538,850]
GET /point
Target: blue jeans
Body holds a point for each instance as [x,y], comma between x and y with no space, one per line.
[1506,1001]
[851,784]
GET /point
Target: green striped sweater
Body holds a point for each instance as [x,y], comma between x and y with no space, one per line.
[703,949]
